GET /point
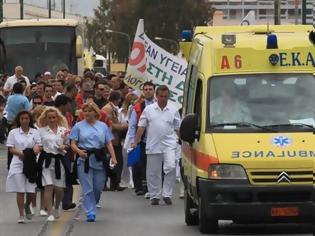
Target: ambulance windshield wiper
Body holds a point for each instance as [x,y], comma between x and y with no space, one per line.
[292,125]
[243,124]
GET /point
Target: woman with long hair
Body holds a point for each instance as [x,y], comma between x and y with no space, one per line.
[124,115]
[25,136]
[89,138]
[53,129]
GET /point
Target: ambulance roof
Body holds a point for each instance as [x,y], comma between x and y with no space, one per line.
[254,36]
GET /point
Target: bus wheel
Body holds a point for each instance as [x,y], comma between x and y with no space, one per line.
[206,225]
[191,213]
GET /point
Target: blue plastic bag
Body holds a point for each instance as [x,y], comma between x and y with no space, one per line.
[134,156]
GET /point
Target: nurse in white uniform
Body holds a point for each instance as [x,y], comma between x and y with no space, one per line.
[20,138]
[53,130]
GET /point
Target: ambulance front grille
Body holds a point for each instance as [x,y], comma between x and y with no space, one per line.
[263,177]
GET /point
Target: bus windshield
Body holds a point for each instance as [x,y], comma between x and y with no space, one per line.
[276,101]
[39,49]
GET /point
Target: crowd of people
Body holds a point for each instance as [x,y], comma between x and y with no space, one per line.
[67,129]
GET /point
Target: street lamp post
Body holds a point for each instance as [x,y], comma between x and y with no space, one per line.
[304,12]
[277,4]
[125,35]
[170,41]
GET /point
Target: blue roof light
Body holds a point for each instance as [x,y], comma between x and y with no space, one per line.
[186,35]
[272,41]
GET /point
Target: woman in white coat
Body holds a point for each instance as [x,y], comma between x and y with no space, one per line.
[23,137]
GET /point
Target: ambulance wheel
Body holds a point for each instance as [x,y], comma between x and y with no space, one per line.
[191,213]
[206,225]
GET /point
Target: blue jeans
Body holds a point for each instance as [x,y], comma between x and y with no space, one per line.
[92,184]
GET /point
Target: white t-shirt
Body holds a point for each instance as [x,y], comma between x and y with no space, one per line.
[51,141]
[20,140]
[12,80]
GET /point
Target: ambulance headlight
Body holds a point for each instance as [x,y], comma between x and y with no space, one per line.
[226,171]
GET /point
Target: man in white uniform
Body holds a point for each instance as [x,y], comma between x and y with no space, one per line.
[161,121]
[18,75]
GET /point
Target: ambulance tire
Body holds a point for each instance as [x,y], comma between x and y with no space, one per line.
[206,225]
[191,213]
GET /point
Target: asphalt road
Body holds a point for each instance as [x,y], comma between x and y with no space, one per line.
[122,214]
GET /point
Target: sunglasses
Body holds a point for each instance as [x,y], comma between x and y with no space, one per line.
[37,103]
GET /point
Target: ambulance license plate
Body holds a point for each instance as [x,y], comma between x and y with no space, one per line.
[284,211]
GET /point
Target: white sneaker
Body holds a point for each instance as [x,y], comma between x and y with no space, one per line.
[21,220]
[147,195]
[51,218]
[57,213]
[99,205]
[43,213]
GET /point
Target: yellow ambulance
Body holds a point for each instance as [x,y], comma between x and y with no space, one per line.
[248,142]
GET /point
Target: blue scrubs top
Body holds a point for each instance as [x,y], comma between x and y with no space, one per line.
[91,136]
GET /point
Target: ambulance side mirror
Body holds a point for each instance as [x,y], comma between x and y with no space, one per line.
[311,37]
[188,128]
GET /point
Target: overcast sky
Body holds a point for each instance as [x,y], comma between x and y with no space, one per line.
[83,7]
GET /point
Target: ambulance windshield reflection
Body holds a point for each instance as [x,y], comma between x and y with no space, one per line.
[262,99]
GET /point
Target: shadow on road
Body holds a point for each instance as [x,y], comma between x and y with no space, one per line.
[265,229]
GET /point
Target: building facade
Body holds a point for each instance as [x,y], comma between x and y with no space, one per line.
[291,10]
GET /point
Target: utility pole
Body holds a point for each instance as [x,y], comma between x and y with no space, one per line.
[303,12]
[49,9]
[21,9]
[277,12]
[1,11]
[64,9]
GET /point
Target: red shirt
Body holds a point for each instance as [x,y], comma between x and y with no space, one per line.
[79,100]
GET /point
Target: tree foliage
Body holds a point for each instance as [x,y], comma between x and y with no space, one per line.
[162,18]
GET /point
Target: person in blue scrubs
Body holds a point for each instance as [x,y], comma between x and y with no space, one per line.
[88,140]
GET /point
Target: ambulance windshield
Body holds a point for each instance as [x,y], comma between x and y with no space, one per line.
[267,100]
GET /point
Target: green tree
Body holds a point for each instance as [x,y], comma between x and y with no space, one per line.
[162,18]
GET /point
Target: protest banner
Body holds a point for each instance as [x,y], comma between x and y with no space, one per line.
[149,62]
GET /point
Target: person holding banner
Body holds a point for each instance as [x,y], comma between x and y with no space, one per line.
[139,169]
[161,122]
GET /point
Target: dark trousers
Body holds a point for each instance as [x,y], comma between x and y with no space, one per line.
[68,192]
[9,155]
[139,171]
[115,174]
[3,129]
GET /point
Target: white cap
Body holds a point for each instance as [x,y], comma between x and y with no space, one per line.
[47,73]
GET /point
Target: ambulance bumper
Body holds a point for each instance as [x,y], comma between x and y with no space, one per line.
[241,201]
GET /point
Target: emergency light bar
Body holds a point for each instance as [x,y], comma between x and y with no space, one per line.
[228,40]
[186,35]
[272,41]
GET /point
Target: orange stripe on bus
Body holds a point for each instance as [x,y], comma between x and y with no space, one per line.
[198,159]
